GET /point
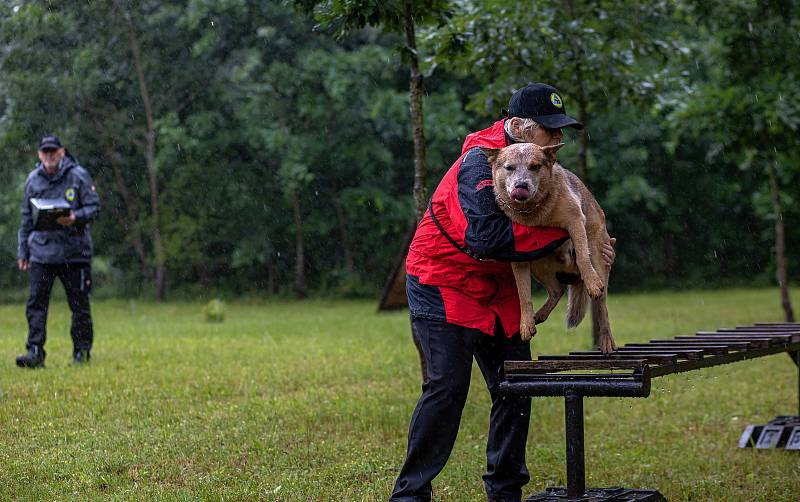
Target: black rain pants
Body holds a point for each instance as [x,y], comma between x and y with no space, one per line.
[448,350]
[77,281]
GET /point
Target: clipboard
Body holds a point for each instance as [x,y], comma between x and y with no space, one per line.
[45,212]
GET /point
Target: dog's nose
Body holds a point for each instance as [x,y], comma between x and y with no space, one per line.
[522,185]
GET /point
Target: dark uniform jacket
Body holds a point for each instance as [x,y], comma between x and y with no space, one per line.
[444,282]
[71,244]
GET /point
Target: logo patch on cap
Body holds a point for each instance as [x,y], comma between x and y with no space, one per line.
[70,194]
[556,100]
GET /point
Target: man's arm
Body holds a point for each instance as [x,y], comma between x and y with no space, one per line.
[90,202]
[25,229]
[490,233]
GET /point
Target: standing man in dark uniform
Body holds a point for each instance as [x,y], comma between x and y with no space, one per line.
[64,252]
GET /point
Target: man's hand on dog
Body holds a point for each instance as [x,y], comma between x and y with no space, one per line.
[608,251]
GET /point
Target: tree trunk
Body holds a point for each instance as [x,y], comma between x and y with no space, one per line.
[270,277]
[583,156]
[780,242]
[583,152]
[299,266]
[416,91]
[344,237]
[583,163]
[130,220]
[150,160]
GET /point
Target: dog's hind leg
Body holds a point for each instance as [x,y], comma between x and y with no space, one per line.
[606,342]
[555,290]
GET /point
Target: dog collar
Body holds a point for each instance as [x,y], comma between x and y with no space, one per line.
[506,205]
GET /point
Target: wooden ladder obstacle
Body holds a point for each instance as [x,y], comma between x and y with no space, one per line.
[628,372]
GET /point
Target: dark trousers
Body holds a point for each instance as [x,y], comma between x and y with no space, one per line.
[448,350]
[77,281]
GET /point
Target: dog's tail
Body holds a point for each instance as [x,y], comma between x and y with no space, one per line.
[577,304]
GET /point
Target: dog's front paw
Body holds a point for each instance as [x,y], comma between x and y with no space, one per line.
[527,329]
[594,285]
[607,344]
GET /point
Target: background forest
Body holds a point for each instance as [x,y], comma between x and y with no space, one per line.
[266,147]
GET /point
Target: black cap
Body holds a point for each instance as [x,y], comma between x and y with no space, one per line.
[50,142]
[543,104]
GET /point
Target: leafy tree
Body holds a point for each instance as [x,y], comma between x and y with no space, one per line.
[752,115]
[601,54]
[393,16]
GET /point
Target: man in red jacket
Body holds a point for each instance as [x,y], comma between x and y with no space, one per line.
[463,302]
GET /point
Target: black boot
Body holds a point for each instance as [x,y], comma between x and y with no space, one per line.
[80,357]
[34,358]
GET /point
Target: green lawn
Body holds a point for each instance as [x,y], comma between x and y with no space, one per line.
[311,401]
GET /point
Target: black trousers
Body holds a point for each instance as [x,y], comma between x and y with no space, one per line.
[77,281]
[448,350]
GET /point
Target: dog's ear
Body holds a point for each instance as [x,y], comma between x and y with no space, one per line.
[491,154]
[550,152]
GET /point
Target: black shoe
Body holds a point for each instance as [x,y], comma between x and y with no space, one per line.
[34,358]
[81,357]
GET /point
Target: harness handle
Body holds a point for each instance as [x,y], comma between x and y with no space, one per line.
[467,251]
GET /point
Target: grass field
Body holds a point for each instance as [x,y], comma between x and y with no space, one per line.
[311,401]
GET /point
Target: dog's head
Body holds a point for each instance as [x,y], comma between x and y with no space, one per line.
[520,172]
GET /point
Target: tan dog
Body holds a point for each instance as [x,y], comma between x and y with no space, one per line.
[534,190]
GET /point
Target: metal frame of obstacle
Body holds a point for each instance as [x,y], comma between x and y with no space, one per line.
[628,372]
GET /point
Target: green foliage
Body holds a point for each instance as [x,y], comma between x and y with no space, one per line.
[600,54]
[257,107]
[343,16]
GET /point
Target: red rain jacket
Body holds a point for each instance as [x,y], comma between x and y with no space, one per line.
[474,285]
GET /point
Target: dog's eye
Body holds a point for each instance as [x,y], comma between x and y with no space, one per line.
[508,167]
[534,167]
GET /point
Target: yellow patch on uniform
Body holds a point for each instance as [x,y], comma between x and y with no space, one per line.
[556,100]
[70,194]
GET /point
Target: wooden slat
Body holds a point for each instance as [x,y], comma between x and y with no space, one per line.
[794,335]
[551,365]
[759,331]
[651,359]
[747,333]
[641,353]
[755,342]
[705,348]
[702,341]
[686,353]
[774,338]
